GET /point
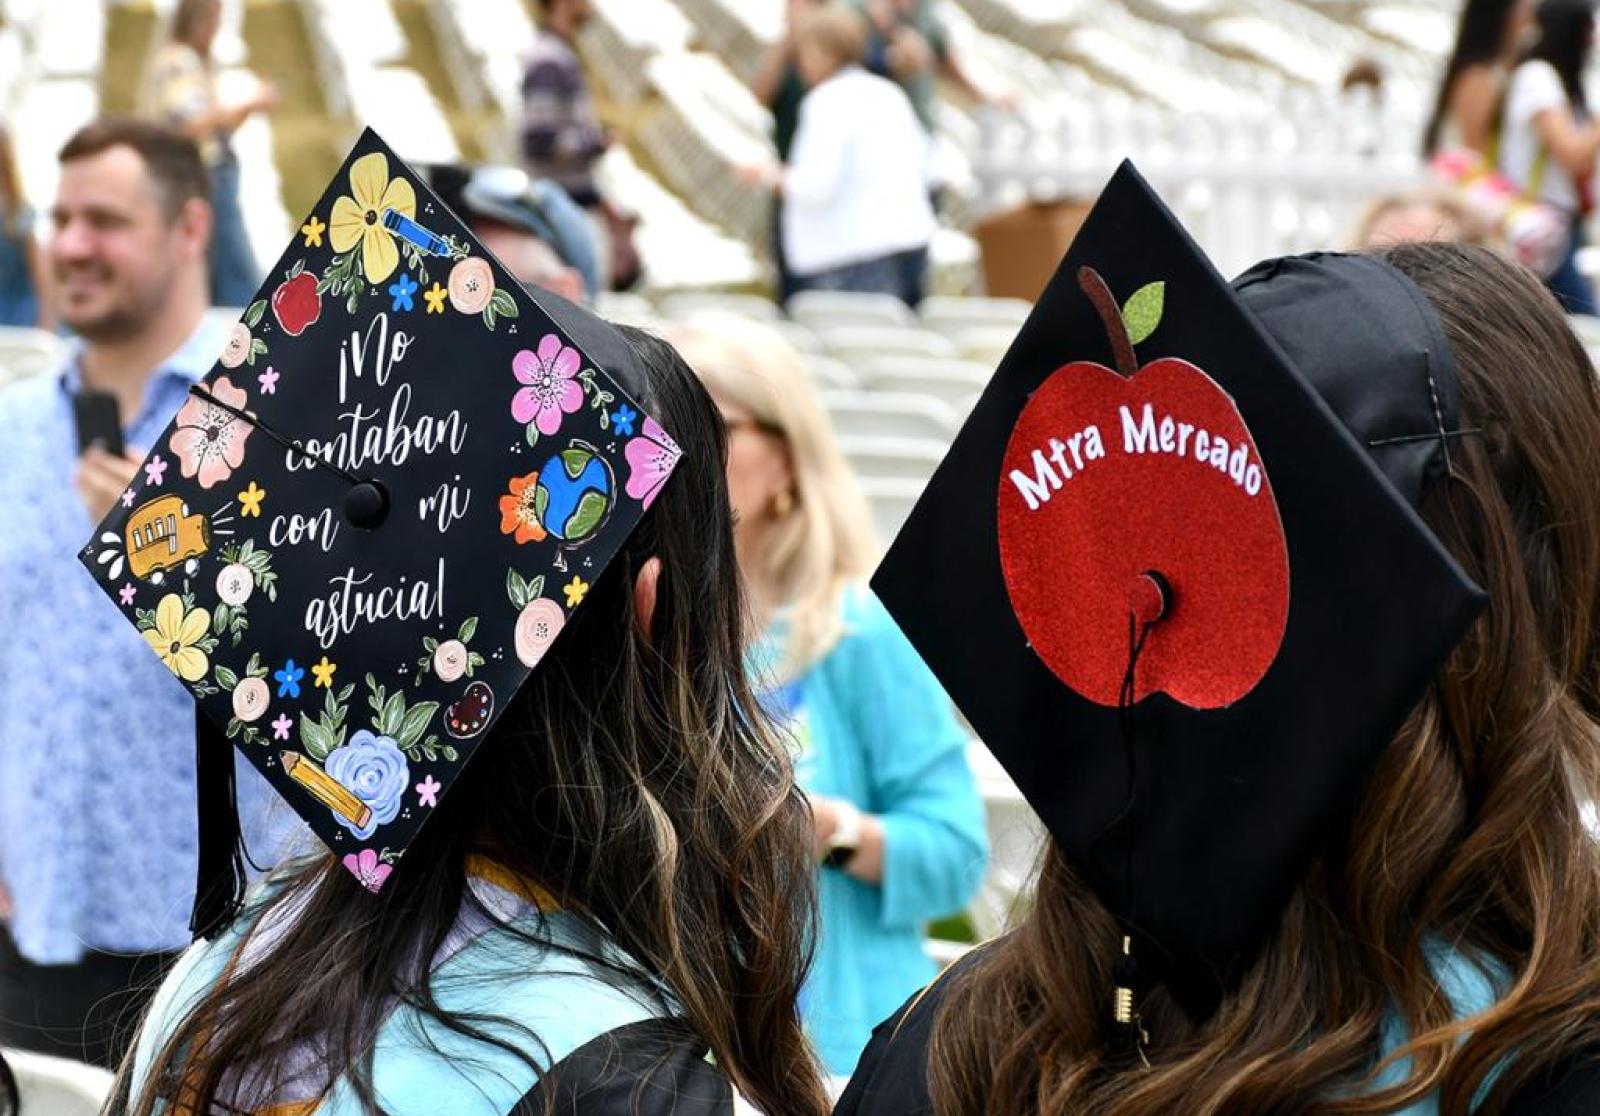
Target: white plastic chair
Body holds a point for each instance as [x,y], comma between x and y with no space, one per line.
[985,344]
[912,459]
[57,1086]
[823,309]
[830,372]
[857,343]
[952,315]
[891,500]
[869,414]
[683,304]
[953,380]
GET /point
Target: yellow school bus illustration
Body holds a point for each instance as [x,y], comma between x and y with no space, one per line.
[162,534]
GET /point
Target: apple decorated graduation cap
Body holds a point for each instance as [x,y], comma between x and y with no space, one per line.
[374,516]
[1184,598]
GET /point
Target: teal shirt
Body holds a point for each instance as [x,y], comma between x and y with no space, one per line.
[1472,988]
[872,726]
[566,992]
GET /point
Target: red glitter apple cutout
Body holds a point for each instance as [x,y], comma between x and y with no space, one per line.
[1111,477]
[296,303]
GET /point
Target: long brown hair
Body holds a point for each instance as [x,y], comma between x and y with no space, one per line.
[632,777]
[1469,832]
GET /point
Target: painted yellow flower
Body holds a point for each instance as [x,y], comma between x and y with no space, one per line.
[575,589]
[175,635]
[323,672]
[435,296]
[357,218]
[312,230]
[250,500]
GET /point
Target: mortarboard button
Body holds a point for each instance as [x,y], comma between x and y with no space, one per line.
[366,505]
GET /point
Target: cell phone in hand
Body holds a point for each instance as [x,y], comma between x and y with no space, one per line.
[98,421]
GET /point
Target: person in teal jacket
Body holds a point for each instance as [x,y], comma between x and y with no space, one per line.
[899,823]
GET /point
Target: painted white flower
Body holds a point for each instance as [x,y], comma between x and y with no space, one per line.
[250,699]
[235,584]
[450,660]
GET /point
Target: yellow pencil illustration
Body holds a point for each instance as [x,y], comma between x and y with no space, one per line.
[324,789]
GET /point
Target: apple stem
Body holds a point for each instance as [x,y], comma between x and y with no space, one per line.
[1116,329]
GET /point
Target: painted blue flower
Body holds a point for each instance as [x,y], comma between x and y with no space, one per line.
[374,769]
[622,420]
[289,679]
[401,291]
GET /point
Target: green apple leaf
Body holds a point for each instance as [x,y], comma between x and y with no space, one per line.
[1142,312]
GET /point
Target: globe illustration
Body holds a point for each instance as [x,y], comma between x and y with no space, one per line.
[574,493]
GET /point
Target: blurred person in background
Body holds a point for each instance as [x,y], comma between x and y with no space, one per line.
[899,823]
[856,214]
[21,274]
[1420,213]
[777,84]
[1548,139]
[907,42]
[1489,39]
[182,90]
[532,226]
[97,822]
[562,138]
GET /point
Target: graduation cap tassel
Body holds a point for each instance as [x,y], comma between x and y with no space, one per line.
[220,878]
[1149,601]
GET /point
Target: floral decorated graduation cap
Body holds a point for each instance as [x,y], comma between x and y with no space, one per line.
[375,515]
[1186,599]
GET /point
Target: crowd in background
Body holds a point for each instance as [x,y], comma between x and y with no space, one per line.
[145,234]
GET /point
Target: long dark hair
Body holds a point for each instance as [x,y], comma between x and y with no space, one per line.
[1469,831]
[1480,39]
[632,777]
[1566,34]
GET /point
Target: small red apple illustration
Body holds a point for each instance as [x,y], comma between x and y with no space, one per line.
[1134,505]
[296,303]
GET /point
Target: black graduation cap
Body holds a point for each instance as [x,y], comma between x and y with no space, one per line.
[1173,592]
[375,515]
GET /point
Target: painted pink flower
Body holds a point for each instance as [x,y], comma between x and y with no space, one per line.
[127,498]
[209,440]
[368,869]
[281,727]
[428,791]
[155,470]
[551,390]
[126,594]
[268,381]
[651,458]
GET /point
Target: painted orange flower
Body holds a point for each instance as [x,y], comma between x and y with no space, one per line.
[517,514]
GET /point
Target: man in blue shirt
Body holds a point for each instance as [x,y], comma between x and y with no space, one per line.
[97,782]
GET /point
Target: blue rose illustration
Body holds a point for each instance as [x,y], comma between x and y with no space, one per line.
[373,768]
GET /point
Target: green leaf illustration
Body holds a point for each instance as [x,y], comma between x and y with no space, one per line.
[226,678]
[1142,312]
[415,723]
[469,627]
[252,316]
[394,713]
[316,739]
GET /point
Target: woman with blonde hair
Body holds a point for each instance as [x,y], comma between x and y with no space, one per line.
[899,824]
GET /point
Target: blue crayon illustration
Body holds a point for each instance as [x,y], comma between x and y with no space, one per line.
[412,233]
